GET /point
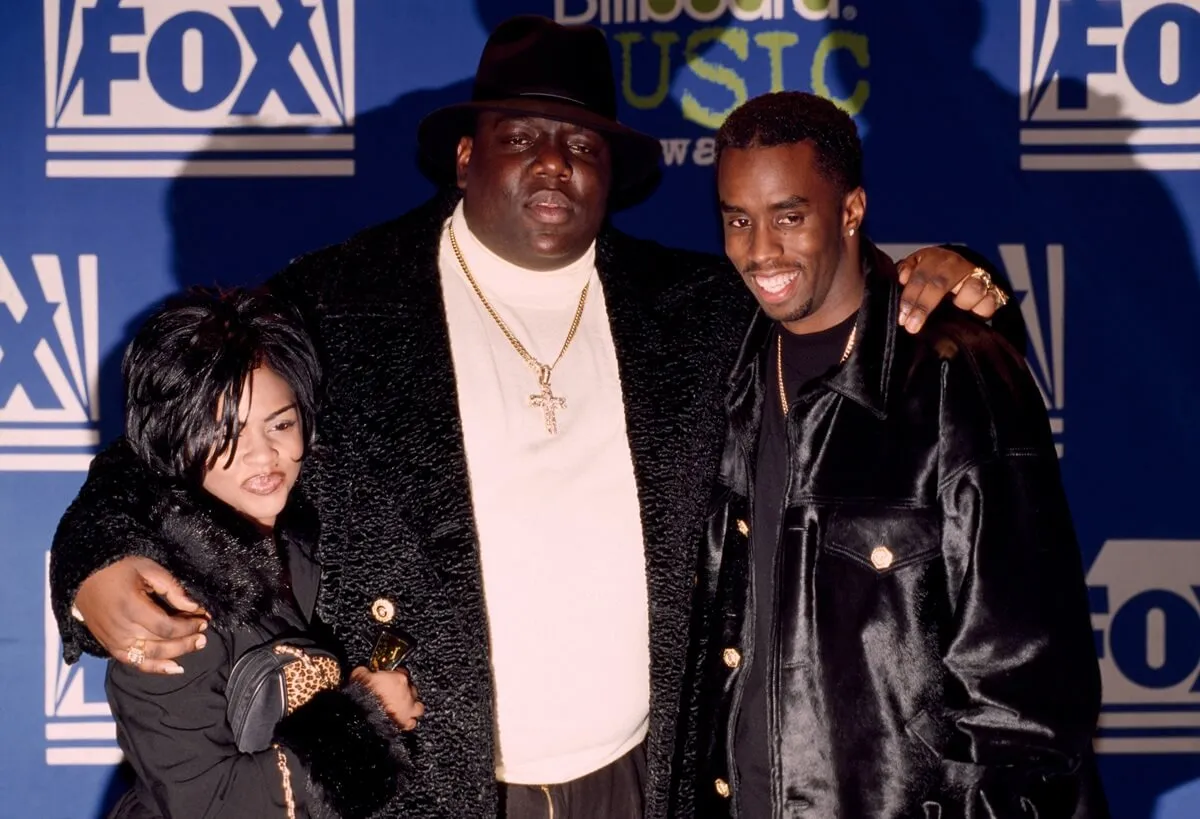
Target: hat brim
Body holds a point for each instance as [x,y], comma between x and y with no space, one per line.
[635,155]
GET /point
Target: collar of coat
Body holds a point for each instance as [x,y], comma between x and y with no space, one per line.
[865,376]
[225,563]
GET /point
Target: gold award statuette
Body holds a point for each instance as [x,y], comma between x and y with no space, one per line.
[392,645]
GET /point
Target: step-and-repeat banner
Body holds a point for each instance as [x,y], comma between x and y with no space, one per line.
[149,145]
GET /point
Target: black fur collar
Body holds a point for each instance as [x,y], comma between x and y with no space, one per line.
[224,562]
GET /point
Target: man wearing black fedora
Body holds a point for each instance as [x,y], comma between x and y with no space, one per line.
[522,422]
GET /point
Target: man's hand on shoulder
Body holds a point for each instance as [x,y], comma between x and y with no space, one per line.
[117,605]
[931,274]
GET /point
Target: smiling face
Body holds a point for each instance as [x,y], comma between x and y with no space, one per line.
[535,189]
[266,460]
[787,231]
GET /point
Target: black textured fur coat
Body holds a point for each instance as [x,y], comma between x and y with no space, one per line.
[390,483]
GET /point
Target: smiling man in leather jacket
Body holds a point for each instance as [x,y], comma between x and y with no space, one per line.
[895,611]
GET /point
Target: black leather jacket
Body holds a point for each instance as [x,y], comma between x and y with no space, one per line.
[933,655]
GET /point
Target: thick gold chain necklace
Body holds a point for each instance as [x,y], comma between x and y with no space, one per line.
[783,402]
[545,400]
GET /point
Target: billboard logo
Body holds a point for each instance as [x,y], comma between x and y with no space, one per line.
[710,56]
[575,12]
[79,731]
[49,363]
[1110,85]
[1145,602]
[199,88]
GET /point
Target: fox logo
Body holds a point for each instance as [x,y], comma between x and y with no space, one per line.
[49,362]
[79,731]
[127,78]
[1085,63]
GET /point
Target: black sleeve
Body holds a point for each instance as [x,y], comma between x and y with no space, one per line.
[1020,657]
[107,521]
[343,756]
[1020,650]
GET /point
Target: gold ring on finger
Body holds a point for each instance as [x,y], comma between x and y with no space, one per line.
[136,653]
[984,278]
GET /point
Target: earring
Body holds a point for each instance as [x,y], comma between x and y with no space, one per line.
[851,231]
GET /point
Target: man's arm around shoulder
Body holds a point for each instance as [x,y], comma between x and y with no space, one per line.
[109,527]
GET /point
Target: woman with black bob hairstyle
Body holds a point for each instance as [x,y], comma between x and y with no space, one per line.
[221,401]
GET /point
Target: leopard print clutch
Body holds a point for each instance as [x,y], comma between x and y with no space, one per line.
[271,681]
[311,674]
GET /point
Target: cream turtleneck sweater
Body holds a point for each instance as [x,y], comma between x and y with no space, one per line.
[559,524]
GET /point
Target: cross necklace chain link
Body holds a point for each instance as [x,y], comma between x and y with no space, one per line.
[545,399]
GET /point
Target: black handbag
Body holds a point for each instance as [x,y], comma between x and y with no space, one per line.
[270,681]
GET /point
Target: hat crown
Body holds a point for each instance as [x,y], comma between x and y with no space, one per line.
[530,56]
[534,67]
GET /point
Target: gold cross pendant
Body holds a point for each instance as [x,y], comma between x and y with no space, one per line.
[547,402]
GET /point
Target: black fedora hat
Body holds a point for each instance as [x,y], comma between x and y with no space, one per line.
[534,66]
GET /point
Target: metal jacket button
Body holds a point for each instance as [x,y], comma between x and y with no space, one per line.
[383,610]
[882,557]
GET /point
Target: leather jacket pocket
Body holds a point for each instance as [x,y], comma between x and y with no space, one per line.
[868,569]
[884,540]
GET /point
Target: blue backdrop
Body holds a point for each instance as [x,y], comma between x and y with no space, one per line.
[148,145]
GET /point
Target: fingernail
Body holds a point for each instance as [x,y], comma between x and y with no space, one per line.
[173,668]
[203,625]
[201,642]
[904,311]
[913,324]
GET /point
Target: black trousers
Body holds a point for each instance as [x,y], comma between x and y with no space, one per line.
[613,792]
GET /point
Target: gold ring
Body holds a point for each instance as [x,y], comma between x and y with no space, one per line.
[984,278]
[999,295]
[136,653]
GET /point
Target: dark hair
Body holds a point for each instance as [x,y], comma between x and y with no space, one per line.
[193,356]
[788,117]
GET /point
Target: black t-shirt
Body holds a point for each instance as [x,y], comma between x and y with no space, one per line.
[805,357]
